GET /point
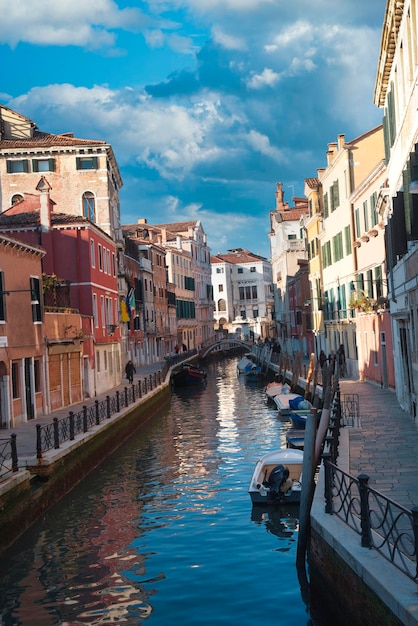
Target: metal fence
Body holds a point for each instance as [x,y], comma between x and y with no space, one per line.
[381,523]
[8,456]
[51,436]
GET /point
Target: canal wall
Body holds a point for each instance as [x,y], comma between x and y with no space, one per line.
[349,584]
[32,491]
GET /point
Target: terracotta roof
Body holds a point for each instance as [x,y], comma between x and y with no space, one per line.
[47,140]
[32,218]
[292,215]
[312,182]
[240,256]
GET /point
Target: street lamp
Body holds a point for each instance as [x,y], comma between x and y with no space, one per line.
[34,295]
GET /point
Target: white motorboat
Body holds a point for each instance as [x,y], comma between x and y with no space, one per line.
[277,477]
[285,402]
[274,388]
[244,363]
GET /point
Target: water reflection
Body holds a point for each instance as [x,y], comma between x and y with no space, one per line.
[164,531]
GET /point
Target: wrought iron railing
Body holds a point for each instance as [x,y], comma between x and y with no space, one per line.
[51,436]
[8,456]
[382,524]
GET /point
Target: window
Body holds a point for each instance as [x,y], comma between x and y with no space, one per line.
[337,247]
[95,316]
[326,254]
[89,206]
[373,214]
[2,299]
[366,215]
[17,197]
[243,314]
[37,375]
[220,287]
[255,313]
[347,240]
[221,305]
[219,270]
[240,270]
[252,269]
[335,195]
[102,306]
[87,163]
[35,288]
[17,167]
[15,380]
[357,219]
[97,360]
[43,165]
[326,207]
[113,264]
[92,254]
[100,257]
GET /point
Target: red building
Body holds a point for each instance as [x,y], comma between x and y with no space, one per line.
[80,276]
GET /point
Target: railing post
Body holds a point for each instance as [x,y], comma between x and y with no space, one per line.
[117,401]
[15,463]
[139,389]
[133,393]
[96,402]
[56,434]
[71,426]
[85,427]
[38,442]
[126,396]
[150,382]
[328,483]
[364,511]
[108,407]
[414,512]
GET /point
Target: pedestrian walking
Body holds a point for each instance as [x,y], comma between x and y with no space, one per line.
[341,361]
[322,358]
[129,371]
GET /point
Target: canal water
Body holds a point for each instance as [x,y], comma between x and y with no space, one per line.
[164,533]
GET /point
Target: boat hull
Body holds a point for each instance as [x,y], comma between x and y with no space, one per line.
[189,376]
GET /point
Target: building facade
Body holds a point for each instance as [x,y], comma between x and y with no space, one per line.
[396,94]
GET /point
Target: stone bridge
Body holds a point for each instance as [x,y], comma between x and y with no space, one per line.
[224,344]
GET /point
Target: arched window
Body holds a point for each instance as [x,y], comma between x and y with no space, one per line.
[221,305]
[17,197]
[89,206]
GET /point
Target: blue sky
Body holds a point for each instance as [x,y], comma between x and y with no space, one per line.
[207,103]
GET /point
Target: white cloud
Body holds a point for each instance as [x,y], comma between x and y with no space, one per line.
[169,138]
[267,78]
[261,144]
[229,42]
[78,23]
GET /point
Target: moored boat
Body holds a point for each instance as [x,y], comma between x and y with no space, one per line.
[298,417]
[285,402]
[243,363]
[273,389]
[277,477]
[189,375]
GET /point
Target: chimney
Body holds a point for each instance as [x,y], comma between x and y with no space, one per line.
[142,220]
[45,210]
[340,141]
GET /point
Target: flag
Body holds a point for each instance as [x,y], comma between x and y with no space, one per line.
[132,302]
[124,311]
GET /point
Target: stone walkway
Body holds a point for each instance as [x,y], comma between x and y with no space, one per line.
[385,446]
[26,432]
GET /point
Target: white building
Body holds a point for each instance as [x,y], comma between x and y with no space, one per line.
[287,247]
[242,287]
[397,94]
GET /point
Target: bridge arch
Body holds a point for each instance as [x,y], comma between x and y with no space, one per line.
[224,344]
